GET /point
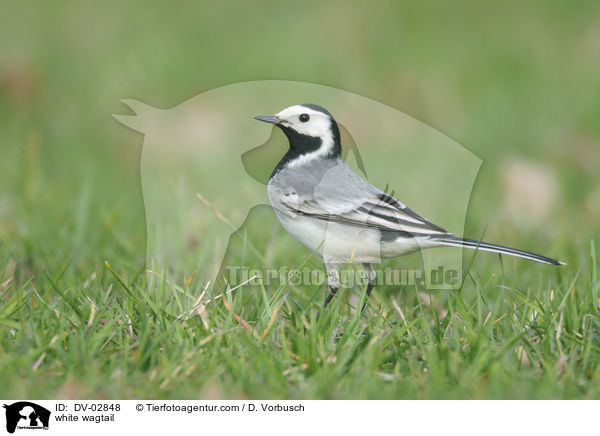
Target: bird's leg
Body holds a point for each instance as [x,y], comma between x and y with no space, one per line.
[332,292]
[371,280]
[333,280]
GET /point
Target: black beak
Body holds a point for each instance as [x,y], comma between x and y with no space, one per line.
[273,119]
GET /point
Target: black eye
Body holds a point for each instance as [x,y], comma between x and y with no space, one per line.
[304,118]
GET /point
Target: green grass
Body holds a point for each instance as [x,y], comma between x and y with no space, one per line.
[103,333]
[517,81]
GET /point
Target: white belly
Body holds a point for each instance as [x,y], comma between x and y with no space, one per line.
[333,242]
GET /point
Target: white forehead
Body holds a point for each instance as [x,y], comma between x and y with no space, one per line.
[298,110]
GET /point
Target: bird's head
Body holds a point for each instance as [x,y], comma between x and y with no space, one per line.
[311,130]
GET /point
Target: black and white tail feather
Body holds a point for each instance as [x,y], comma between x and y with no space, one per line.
[454,241]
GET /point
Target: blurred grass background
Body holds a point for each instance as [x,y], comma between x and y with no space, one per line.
[516,83]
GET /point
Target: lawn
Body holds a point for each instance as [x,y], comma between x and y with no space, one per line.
[82,314]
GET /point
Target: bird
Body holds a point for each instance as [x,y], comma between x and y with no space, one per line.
[339,215]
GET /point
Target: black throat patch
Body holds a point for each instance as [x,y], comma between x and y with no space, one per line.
[303,144]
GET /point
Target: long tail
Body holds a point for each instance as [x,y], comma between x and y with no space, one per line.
[484,246]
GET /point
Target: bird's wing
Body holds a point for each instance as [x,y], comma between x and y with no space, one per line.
[373,213]
[349,199]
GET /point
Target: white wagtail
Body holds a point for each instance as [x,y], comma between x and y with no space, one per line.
[339,215]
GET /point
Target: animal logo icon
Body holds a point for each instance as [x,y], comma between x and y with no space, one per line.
[26,415]
[205,164]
